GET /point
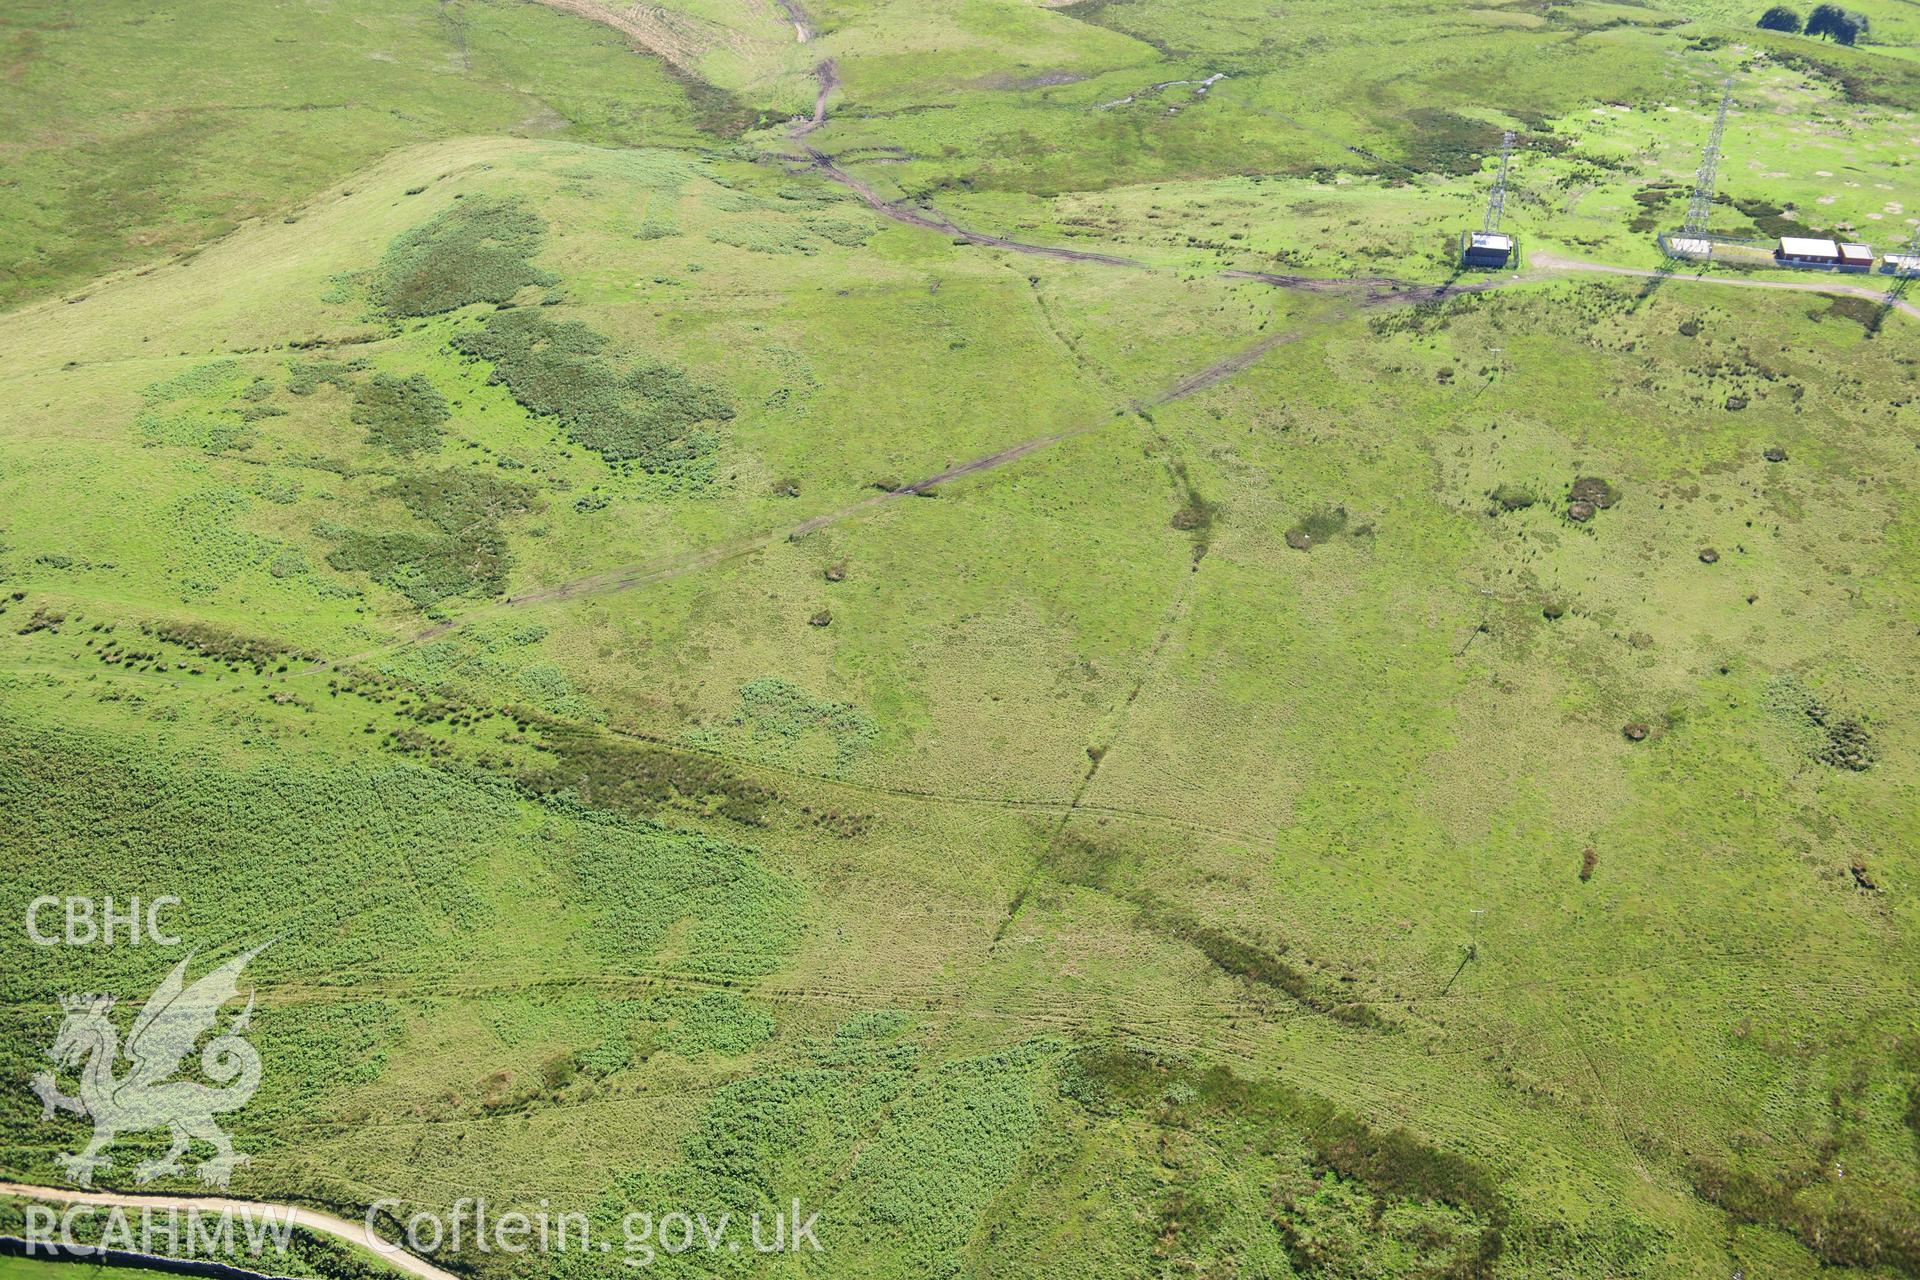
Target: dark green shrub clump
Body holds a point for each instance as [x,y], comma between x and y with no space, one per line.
[1439,141]
[1770,219]
[649,415]
[225,646]
[1317,527]
[638,778]
[401,414]
[1261,965]
[1510,497]
[477,251]
[1848,744]
[304,377]
[1594,491]
[464,550]
[1864,312]
[1397,1167]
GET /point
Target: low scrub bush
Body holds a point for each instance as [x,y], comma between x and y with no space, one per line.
[479,250]
[400,414]
[650,415]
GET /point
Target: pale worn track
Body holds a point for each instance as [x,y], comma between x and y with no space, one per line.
[311,1219]
[1549,262]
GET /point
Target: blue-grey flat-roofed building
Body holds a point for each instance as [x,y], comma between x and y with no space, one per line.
[1486,249]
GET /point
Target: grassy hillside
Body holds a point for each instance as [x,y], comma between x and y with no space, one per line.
[135,133]
[119,156]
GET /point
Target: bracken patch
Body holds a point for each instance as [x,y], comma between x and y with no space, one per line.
[479,250]
[650,416]
[400,414]
[464,552]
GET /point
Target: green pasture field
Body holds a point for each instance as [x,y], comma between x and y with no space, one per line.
[721,696]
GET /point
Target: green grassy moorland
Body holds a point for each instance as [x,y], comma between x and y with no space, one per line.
[1343,788]
[135,132]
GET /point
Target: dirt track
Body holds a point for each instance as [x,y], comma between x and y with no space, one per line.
[646,29]
[802,26]
[311,1219]
[828,73]
[1373,290]
[821,163]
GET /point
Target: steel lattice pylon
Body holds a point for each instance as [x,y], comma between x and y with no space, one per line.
[1700,207]
[1908,268]
[1497,202]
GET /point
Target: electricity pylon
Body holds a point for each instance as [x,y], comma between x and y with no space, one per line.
[1700,207]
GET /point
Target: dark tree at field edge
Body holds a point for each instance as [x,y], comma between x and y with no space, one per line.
[1780,18]
[1842,25]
